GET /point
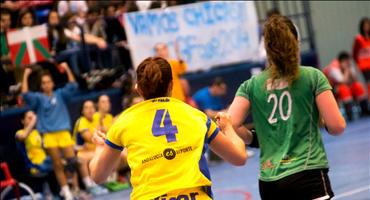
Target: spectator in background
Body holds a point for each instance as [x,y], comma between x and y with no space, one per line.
[73,32]
[25,19]
[104,121]
[103,116]
[178,67]
[134,6]
[95,25]
[39,162]
[7,69]
[361,50]
[65,7]
[209,99]
[116,34]
[187,92]
[346,84]
[84,130]
[54,123]
[57,39]
[132,99]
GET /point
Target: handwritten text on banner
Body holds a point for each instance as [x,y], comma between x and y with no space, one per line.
[208,33]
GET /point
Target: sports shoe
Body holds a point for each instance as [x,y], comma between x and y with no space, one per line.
[115,186]
[98,190]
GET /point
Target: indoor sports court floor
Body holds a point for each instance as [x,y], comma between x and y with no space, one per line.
[349,158]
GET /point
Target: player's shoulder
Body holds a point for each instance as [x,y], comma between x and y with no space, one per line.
[256,79]
[82,119]
[35,131]
[307,71]
[187,108]
[96,115]
[201,92]
[359,37]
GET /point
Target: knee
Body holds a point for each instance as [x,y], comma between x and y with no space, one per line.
[72,165]
[58,165]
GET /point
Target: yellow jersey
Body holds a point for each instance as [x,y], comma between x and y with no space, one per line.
[33,144]
[178,68]
[107,120]
[83,124]
[166,140]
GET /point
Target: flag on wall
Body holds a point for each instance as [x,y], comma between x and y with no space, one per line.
[28,45]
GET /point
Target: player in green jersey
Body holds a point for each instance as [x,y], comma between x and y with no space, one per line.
[286,101]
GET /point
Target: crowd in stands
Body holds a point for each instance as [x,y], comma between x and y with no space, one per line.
[350,75]
[47,136]
[71,25]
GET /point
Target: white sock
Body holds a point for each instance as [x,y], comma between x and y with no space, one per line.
[66,192]
[88,182]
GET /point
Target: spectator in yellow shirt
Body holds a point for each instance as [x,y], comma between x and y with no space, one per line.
[39,162]
[103,117]
[178,67]
[84,130]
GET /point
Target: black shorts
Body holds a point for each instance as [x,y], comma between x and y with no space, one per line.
[306,185]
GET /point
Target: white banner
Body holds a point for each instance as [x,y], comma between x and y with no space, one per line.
[207,33]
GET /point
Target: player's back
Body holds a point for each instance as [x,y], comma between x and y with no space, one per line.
[286,119]
[166,140]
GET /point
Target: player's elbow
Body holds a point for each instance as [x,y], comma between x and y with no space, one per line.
[337,128]
[240,160]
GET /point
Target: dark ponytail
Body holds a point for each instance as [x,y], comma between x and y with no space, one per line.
[154,77]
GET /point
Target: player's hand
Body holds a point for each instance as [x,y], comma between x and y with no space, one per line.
[98,138]
[223,120]
[101,44]
[27,71]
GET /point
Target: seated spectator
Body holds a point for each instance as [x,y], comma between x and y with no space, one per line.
[57,39]
[116,35]
[178,67]
[54,125]
[104,121]
[25,19]
[84,130]
[209,99]
[103,116]
[39,161]
[361,50]
[7,69]
[95,25]
[346,84]
[73,32]
[132,99]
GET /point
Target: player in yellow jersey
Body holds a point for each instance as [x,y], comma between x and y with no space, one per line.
[166,140]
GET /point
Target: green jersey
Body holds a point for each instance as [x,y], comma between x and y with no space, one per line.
[286,119]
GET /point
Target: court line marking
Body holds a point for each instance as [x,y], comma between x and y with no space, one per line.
[352,192]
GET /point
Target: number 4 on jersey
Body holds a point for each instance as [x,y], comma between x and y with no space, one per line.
[168,129]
